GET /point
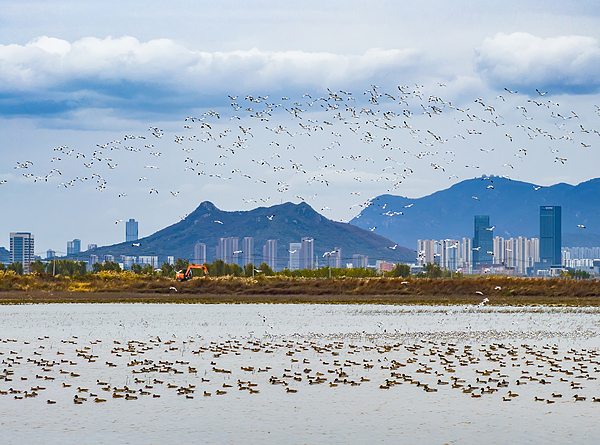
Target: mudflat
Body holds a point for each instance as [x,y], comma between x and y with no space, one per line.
[39,297]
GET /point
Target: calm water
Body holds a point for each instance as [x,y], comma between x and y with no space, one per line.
[152,348]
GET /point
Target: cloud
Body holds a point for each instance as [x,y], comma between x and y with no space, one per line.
[568,64]
[128,73]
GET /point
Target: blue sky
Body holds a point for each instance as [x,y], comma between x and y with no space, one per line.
[82,75]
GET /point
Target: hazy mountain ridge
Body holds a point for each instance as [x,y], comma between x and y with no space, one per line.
[513,207]
[289,224]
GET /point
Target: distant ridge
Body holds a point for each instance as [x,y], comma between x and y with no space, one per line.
[513,207]
[290,223]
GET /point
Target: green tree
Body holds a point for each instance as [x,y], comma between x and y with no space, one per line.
[168,270]
[37,266]
[148,269]
[432,270]
[107,265]
[235,270]
[136,269]
[17,267]
[181,264]
[401,270]
[248,269]
[265,269]
[2,267]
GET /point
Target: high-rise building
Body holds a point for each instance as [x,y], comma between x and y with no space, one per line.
[270,253]
[295,255]
[550,236]
[199,253]
[247,250]
[336,258]
[93,259]
[22,249]
[449,254]
[425,252]
[92,246]
[74,247]
[131,230]
[307,254]
[227,250]
[466,254]
[360,261]
[50,254]
[483,241]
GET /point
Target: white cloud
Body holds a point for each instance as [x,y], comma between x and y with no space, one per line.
[46,63]
[568,63]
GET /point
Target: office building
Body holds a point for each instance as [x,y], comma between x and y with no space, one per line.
[92,246]
[93,259]
[22,249]
[247,250]
[550,236]
[199,253]
[131,230]
[483,241]
[270,253]
[73,247]
[50,254]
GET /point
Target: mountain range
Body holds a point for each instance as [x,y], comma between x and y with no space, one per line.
[513,207]
[287,223]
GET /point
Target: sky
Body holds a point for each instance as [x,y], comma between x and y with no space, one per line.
[117,110]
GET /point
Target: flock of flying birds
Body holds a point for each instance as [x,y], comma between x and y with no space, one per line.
[279,147]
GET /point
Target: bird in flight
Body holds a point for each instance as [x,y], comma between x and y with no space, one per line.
[218,222]
[136,244]
[581,226]
[270,217]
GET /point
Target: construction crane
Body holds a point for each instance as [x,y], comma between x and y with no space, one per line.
[184,276]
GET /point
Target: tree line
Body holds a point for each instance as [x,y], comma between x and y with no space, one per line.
[219,268]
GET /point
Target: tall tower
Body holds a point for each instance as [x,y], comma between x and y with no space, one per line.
[227,248]
[22,249]
[131,230]
[483,241]
[199,253]
[270,253]
[247,250]
[550,236]
[307,258]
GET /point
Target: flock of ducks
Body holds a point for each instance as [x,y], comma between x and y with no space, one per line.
[374,137]
[81,372]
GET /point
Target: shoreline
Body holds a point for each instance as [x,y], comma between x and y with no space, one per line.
[66,297]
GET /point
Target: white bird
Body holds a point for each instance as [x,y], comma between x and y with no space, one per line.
[118,221]
[270,217]
[393,247]
[372,228]
[218,222]
[174,193]
[136,244]
[581,226]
